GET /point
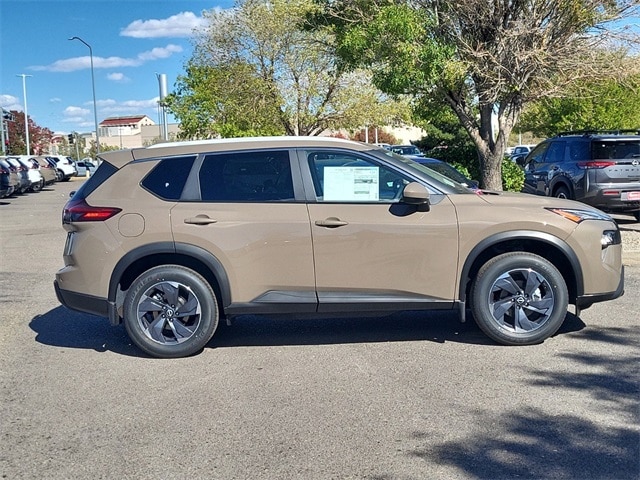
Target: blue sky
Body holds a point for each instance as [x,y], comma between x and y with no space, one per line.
[132,41]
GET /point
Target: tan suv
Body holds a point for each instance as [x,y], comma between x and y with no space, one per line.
[169,239]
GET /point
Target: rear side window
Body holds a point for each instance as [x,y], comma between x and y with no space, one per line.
[555,153]
[168,178]
[246,177]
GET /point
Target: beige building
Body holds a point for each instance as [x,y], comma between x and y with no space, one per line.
[141,131]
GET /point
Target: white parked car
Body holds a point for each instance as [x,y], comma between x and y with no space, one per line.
[85,167]
[65,167]
[33,172]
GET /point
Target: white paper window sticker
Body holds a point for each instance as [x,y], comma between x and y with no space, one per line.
[351,184]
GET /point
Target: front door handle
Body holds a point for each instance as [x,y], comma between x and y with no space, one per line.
[199,220]
[331,222]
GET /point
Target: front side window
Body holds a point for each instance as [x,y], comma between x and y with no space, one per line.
[344,177]
[263,176]
[536,157]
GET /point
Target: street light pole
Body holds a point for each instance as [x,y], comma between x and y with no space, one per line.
[93,86]
[26,115]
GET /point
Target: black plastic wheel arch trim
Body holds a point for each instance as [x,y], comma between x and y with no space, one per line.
[488,242]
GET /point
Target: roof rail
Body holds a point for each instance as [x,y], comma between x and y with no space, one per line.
[587,133]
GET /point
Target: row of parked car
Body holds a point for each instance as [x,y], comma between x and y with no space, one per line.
[31,173]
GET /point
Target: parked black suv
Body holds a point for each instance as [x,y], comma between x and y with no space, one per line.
[600,168]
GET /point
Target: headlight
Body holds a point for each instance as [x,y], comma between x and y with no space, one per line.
[577,215]
[610,237]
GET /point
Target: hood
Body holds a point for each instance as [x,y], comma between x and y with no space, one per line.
[527,200]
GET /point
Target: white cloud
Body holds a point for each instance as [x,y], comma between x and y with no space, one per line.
[180,25]
[103,103]
[55,100]
[118,77]
[159,52]
[129,107]
[80,63]
[9,102]
[71,112]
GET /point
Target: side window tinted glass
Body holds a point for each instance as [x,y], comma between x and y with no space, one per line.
[167,179]
[247,177]
[339,177]
[555,153]
[537,155]
[579,151]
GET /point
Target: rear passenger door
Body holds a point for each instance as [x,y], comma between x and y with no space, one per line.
[246,209]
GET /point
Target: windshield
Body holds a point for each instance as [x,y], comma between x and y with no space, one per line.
[438,177]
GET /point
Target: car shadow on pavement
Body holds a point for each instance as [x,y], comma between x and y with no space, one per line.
[66,328]
[62,327]
[438,327]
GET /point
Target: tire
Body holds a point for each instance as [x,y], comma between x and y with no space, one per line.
[59,175]
[170,311]
[637,215]
[519,299]
[36,187]
[562,192]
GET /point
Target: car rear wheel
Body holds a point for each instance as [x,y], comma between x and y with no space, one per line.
[170,311]
[637,215]
[562,192]
[519,299]
[36,187]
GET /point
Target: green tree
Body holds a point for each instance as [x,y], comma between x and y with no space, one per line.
[256,71]
[484,59]
[607,105]
[228,101]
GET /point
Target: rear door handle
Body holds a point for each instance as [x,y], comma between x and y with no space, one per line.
[331,222]
[199,220]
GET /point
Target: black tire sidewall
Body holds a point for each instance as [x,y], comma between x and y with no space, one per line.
[208,305]
[488,274]
[563,189]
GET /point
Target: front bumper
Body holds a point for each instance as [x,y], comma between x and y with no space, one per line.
[585,301]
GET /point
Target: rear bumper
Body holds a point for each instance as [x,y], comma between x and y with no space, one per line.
[81,302]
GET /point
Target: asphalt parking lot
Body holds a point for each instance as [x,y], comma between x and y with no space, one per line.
[410,396]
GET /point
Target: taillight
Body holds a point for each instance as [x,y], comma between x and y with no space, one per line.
[81,211]
[595,164]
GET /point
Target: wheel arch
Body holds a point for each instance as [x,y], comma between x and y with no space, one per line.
[562,181]
[143,258]
[545,245]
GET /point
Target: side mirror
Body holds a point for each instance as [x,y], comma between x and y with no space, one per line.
[415,194]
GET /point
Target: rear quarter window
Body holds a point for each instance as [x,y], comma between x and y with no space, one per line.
[103,172]
[168,178]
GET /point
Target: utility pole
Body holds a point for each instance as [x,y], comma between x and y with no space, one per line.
[26,115]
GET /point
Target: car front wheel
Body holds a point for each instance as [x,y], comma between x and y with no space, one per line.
[170,311]
[519,299]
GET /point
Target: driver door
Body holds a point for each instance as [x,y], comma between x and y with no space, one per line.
[371,250]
